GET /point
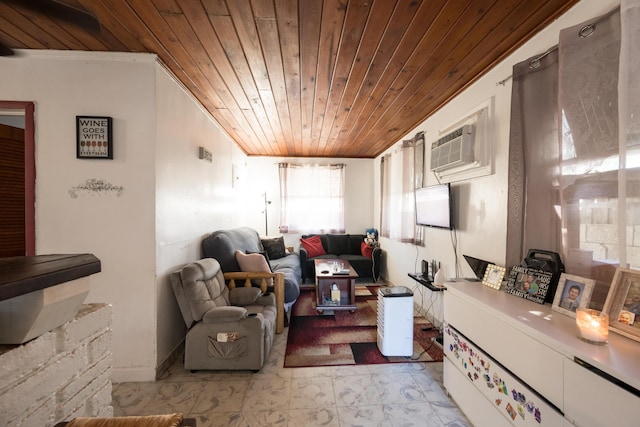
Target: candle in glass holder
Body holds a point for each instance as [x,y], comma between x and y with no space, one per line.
[593,325]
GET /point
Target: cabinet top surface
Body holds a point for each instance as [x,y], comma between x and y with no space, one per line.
[21,275]
[619,358]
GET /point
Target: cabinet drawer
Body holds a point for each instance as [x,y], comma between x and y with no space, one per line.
[533,362]
[513,399]
[591,400]
[480,412]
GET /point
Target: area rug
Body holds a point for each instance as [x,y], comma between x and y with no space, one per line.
[336,338]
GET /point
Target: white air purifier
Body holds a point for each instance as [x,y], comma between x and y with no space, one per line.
[395,321]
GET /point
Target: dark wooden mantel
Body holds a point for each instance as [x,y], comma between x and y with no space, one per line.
[25,274]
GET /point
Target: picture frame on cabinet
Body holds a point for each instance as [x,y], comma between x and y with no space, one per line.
[529,283]
[493,276]
[573,292]
[623,303]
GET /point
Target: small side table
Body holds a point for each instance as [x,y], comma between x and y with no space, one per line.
[346,283]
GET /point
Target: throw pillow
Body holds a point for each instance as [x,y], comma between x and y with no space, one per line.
[313,246]
[366,250]
[254,263]
[274,246]
[263,253]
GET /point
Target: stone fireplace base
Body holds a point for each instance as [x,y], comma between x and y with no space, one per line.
[62,374]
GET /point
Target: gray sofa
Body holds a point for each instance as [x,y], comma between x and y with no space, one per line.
[346,247]
[222,245]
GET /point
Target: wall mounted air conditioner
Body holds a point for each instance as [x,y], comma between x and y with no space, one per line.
[453,149]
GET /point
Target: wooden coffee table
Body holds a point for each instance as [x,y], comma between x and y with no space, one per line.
[346,283]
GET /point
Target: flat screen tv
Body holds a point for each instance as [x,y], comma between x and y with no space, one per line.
[433,206]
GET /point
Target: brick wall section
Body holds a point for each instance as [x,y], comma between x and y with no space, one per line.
[599,228]
[62,374]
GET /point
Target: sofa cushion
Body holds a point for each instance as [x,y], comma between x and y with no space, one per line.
[254,262]
[289,266]
[355,241]
[338,244]
[313,246]
[222,245]
[244,295]
[274,246]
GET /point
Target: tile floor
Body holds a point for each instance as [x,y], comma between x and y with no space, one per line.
[407,394]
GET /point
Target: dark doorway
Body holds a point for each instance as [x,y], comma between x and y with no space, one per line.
[17,183]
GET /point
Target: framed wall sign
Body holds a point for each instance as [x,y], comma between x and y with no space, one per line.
[94,137]
[529,283]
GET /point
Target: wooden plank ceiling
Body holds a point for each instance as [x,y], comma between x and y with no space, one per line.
[307,78]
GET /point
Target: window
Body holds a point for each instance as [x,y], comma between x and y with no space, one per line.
[398,213]
[311,198]
[575,150]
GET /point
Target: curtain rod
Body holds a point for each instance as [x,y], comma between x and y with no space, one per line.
[583,33]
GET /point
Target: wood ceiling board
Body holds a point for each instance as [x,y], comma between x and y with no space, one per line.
[268,32]
[14,29]
[333,15]
[396,41]
[350,40]
[408,89]
[402,67]
[287,12]
[205,48]
[265,108]
[309,25]
[301,86]
[395,21]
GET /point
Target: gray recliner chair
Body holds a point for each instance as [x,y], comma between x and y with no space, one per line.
[227,329]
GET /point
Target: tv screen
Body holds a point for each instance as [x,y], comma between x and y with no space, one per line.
[433,206]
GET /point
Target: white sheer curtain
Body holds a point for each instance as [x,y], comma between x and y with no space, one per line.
[593,185]
[398,217]
[311,198]
[629,125]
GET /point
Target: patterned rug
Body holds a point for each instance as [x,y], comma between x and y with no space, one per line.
[343,338]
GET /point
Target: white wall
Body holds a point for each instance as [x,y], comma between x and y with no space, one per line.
[193,197]
[118,229]
[480,203]
[261,174]
[170,198]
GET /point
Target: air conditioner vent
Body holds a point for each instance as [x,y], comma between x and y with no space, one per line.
[453,149]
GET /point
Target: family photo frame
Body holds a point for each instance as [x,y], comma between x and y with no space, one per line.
[573,292]
[493,276]
[529,283]
[623,303]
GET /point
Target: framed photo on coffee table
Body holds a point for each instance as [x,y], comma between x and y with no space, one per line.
[573,292]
